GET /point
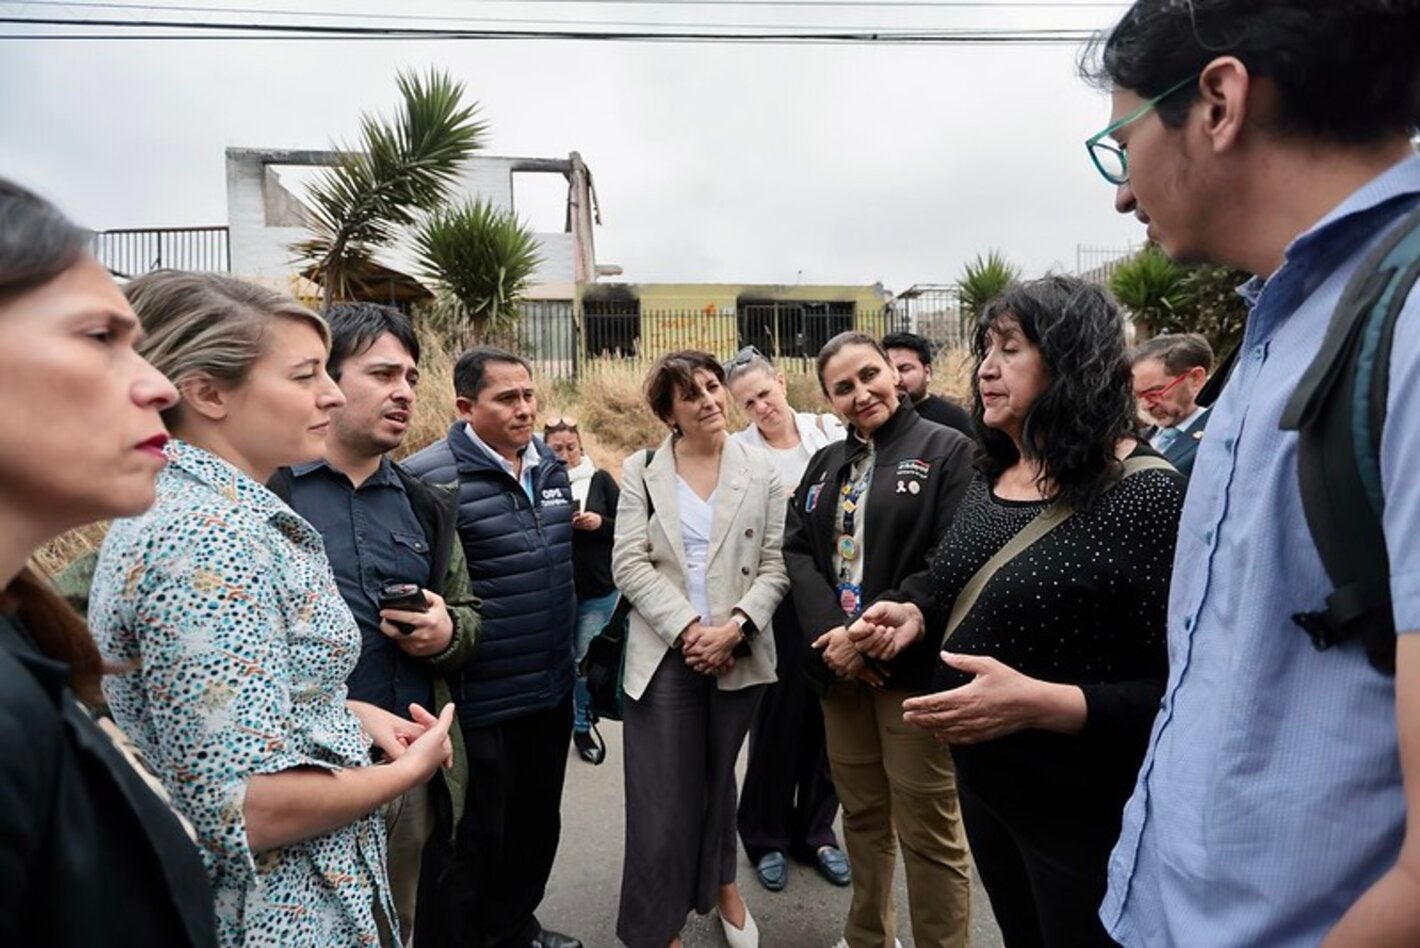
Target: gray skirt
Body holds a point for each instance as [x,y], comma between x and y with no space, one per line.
[681,741]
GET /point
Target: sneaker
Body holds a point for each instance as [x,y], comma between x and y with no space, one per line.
[589,746]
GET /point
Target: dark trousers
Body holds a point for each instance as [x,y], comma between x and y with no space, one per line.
[485,892]
[788,803]
[1045,877]
[681,738]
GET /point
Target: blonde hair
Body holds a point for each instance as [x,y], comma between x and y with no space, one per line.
[199,325]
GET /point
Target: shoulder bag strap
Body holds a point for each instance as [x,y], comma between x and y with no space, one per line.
[1045,521]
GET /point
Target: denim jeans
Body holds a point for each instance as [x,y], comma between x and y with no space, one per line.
[592,615]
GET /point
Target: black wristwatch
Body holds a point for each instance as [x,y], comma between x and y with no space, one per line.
[747,627]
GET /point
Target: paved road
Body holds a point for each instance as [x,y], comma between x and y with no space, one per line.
[582,895]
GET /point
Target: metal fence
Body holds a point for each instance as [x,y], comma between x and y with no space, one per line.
[1097,264]
[132,253]
[562,340]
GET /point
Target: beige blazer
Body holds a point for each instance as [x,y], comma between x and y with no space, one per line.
[744,568]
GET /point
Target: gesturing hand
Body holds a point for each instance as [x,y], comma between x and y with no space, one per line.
[433,749]
[886,628]
[997,702]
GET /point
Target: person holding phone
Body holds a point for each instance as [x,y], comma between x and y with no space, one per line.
[398,563]
[594,499]
[221,607]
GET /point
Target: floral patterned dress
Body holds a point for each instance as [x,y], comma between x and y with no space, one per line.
[221,601]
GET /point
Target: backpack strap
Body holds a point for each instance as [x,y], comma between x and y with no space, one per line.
[1338,410]
[1048,519]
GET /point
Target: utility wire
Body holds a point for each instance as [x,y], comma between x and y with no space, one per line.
[259,30]
[560,22]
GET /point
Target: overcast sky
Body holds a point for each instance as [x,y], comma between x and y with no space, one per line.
[713,163]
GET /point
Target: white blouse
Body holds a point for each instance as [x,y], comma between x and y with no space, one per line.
[696,516]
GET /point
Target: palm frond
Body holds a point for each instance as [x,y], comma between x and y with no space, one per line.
[399,167]
[1151,287]
[984,279]
[482,257]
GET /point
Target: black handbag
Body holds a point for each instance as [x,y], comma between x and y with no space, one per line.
[603,665]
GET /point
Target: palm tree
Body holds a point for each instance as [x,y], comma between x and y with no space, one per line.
[981,281]
[481,259]
[401,167]
[1151,287]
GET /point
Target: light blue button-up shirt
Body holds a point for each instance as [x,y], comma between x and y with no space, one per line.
[1271,796]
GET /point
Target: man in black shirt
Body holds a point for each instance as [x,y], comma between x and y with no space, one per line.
[912,356]
[381,525]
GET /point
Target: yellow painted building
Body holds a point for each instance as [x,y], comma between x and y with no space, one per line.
[784,321]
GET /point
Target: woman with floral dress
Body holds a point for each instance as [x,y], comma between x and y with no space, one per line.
[222,605]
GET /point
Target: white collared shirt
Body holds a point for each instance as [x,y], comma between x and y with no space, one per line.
[531,459]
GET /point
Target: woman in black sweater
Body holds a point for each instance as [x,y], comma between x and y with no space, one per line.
[90,853]
[1052,674]
[595,496]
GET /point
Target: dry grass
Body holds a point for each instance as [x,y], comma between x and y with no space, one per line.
[611,414]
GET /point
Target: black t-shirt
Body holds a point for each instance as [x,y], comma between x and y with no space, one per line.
[591,549]
[1087,605]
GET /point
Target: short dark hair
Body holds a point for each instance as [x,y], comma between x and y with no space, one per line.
[355,327]
[910,340]
[674,374]
[1179,352]
[37,242]
[842,341]
[468,373]
[1344,71]
[1087,406]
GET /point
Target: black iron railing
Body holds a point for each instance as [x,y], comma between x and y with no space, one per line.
[136,251]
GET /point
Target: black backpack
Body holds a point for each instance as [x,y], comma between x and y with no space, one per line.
[1338,410]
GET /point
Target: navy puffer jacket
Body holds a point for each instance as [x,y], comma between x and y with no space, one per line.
[520,564]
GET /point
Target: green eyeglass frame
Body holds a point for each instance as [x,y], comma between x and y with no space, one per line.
[1107,157]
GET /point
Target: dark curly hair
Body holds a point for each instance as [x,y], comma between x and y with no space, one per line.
[1345,70]
[1088,403]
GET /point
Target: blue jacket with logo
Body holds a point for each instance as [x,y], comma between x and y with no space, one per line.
[520,565]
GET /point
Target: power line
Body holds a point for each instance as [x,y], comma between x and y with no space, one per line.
[560,22]
[260,30]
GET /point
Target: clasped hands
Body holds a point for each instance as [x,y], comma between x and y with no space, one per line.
[709,649]
[880,633]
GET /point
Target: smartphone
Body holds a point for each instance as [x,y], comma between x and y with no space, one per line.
[407,597]
[576,506]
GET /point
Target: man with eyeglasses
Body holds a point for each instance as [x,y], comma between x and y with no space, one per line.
[1273,804]
[1169,372]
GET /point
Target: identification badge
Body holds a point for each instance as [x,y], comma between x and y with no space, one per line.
[847,547]
[850,598]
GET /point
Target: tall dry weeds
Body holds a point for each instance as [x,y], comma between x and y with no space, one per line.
[607,403]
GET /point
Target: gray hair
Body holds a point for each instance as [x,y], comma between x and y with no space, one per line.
[1179,352]
[204,325]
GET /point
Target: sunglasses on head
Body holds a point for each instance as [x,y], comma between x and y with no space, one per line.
[559,424]
[745,356]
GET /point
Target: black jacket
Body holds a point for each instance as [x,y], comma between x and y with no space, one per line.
[88,854]
[903,526]
[520,565]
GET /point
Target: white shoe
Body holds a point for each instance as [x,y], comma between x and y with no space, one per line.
[747,937]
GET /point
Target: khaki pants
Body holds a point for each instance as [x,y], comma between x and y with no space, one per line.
[893,776]
[409,821]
